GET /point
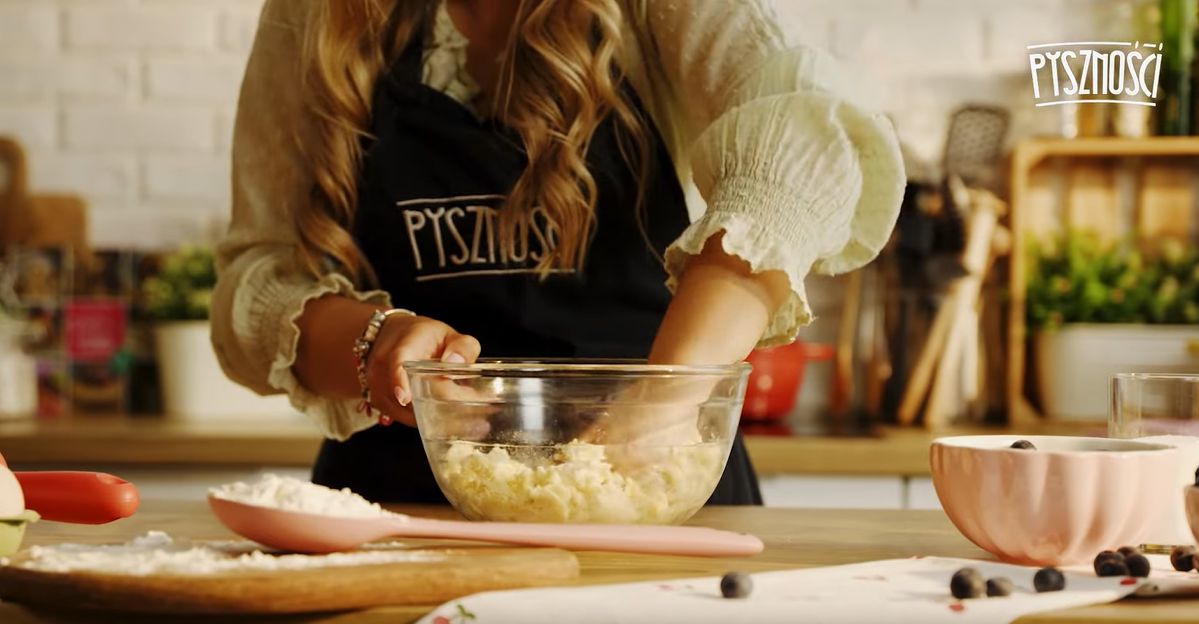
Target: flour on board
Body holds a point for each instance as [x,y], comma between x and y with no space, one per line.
[157,553]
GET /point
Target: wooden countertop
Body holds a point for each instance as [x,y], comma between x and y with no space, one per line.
[83,441]
[794,539]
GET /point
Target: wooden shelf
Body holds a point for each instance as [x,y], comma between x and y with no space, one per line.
[1031,152]
[83,441]
[1161,167]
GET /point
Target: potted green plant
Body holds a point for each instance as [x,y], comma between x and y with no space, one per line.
[177,298]
[1097,308]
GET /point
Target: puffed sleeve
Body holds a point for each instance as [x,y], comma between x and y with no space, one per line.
[261,287]
[794,161]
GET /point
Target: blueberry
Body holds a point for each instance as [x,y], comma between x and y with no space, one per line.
[1023,444]
[1138,565]
[1049,579]
[1001,586]
[1128,551]
[1107,556]
[1113,568]
[736,585]
[967,583]
[1181,558]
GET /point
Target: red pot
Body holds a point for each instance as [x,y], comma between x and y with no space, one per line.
[777,377]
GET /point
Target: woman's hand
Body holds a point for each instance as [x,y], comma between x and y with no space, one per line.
[407,338]
[656,412]
[325,362]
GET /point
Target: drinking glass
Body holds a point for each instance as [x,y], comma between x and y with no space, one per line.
[1163,408]
[1153,404]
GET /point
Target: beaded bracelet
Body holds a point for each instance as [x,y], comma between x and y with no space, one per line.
[362,351]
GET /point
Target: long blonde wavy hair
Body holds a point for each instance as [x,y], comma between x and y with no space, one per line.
[559,80]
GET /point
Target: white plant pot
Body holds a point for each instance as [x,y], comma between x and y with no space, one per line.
[1074,364]
[193,384]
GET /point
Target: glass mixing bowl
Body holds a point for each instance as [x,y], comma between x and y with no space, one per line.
[577,441]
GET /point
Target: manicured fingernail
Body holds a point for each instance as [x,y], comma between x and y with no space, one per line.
[454,358]
[402,397]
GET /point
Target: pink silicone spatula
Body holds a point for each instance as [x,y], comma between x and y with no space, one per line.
[311,533]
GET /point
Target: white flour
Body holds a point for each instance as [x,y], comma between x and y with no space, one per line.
[157,553]
[292,494]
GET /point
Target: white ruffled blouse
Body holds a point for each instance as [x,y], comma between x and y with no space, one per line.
[777,146]
[444,65]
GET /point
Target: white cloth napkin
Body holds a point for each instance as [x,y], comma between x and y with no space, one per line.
[899,590]
[1164,581]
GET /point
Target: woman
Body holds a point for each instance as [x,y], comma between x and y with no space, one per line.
[531,178]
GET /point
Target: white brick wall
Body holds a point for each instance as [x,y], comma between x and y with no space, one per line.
[194,80]
[102,176]
[185,127]
[130,102]
[170,28]
[34,126]
[931,56]
[32,25]
[42,78]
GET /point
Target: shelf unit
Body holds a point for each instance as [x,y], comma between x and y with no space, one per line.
[1161,172]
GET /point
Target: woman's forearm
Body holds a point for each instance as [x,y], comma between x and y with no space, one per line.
[325,362]
[325,357]
[719,311]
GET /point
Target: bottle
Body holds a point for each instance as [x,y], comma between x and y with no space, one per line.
[1178,52]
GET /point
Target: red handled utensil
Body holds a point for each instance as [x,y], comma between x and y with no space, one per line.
[78,497]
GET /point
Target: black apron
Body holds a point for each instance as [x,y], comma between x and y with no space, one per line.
[434,177]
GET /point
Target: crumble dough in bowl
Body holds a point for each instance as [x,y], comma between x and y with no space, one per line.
[574,441]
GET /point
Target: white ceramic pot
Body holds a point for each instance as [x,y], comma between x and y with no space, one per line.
[1074,364]
[193,384]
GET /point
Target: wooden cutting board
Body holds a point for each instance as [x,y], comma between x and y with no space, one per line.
[449,573]
[37,220]
[13,187]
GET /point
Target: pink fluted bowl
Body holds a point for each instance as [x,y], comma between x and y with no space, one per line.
[1060,504]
